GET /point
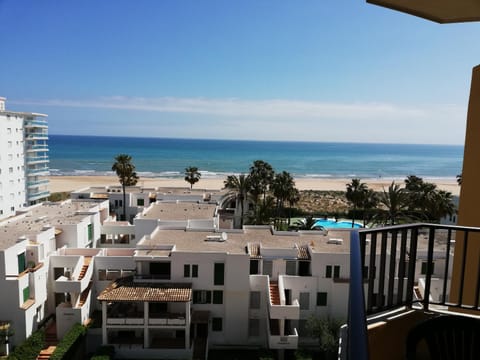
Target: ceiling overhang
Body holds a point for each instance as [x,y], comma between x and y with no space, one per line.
[441,11]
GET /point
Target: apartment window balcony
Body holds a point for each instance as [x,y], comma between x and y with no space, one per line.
[38,195]
[36,159]
[37,148]
[388,301]
[37,172]
[37,136]
[32,184]
[36,124]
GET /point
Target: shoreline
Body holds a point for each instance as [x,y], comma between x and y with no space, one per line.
[60,183]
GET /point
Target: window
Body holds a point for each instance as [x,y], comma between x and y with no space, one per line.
[10,170]
[140,202]
[90,232]
[424,268]
[304,268]
[336,271]
[304,301]
[321,299]
[217,296]
[267,267]
[202,297]
[255,299]
[291,267]
[253,267]
[217,324]
[187,268]
[102,274]
[26,294]
[328,271]
[219,274]
[253,327]
[160,270]
[21,262]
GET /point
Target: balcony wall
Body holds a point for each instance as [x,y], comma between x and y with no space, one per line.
[284,341]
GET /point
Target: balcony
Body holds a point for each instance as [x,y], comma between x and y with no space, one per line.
[37,148]
[36,159]
[289,338]
[37,136]
[279,307]
[37,172]
[402,276]
[36,123]
[33,184]
[38,195]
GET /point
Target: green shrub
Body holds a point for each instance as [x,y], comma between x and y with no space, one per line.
[30,348]
[105,352]
[69,340]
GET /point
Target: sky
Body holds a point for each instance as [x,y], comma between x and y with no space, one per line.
[329,70]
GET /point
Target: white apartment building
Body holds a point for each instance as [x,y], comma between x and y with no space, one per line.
[23,159]
[173,284]
[29,245]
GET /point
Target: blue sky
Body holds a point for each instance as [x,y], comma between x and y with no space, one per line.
[330,70]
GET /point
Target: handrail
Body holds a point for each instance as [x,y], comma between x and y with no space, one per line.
[357,344]
[384,265]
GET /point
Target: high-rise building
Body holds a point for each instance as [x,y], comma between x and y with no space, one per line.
[23,159]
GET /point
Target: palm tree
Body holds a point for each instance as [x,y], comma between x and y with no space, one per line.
[356,192]
[307,223]
[127,176]
[369,204]
[282,186]
[293,198]
[261,175]
[440,205]
[239,187]
[192,175]
[395,200]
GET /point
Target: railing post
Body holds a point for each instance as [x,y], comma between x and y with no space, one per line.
[357,341]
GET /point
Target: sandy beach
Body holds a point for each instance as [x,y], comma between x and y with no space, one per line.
[71,183]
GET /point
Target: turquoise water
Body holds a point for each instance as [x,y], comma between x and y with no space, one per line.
[332,224]
[161,157]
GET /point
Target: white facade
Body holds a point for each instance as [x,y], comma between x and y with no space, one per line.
[23,160]
[250,287]
[30,245]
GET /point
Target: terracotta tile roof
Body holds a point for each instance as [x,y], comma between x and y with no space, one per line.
[303,253]
[125,289]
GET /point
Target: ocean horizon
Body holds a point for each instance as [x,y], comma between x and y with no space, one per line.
[76,155]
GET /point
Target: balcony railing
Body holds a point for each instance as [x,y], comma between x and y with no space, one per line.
[36,123]
[32,172]
[385,262]
[36,159]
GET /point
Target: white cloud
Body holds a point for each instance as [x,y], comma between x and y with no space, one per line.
[275,119]
[277,108]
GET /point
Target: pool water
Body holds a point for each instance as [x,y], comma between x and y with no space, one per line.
[332,224]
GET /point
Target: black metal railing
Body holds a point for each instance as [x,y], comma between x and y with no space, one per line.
[384,273]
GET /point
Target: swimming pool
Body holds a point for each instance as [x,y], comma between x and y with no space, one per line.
[332,224]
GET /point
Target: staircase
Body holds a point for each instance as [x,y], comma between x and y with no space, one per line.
[84,295]
[51,334]
[45,354]
[274,293]
[86,263]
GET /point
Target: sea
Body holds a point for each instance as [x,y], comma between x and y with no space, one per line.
[168,157]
